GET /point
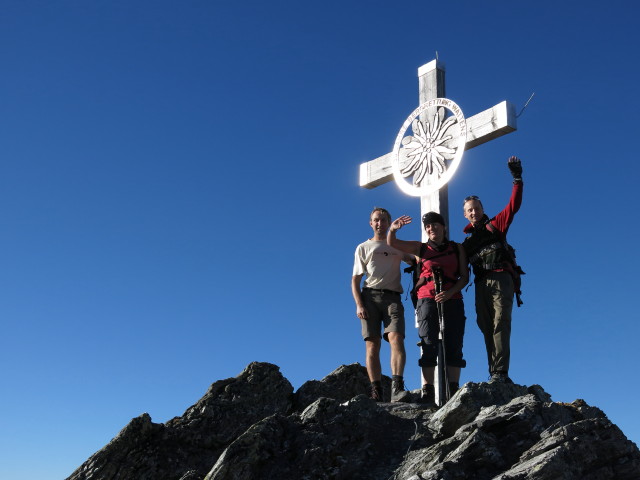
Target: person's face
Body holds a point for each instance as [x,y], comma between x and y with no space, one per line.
[473,211]
[435,232]
[379,223]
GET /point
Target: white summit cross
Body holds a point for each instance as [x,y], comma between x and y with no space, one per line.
[432,153]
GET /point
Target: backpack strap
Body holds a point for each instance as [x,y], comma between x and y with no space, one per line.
[453,251]
[503,241]
[517,271]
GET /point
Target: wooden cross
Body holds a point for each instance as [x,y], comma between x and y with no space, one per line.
[482,127]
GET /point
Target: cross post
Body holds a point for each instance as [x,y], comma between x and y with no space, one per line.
[430,86]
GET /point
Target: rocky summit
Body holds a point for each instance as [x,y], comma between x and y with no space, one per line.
[254,426]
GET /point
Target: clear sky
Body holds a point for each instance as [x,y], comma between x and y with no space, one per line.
[179,197]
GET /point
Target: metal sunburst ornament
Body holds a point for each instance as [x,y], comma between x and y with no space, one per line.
[432,152]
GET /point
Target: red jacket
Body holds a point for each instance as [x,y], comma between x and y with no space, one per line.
[505,217]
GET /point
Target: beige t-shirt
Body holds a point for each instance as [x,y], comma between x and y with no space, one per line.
[380,264]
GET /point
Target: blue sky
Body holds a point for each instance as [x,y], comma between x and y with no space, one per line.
[179,197]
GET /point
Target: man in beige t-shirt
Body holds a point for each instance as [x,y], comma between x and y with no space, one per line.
[379,304]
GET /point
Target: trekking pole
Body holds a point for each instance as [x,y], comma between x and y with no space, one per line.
[444,392]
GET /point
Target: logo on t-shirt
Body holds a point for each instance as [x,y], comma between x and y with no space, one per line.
[386,253]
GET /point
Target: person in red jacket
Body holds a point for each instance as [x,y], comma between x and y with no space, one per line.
[494,270]
[447,258]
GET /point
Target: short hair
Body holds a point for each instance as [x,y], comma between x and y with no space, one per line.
[384,211]
[472,197]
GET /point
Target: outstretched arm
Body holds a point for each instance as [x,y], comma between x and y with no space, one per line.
[410,247]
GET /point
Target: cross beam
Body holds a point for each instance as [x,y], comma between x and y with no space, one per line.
[482,127]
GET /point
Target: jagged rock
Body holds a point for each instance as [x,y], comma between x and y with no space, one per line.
[344,383]
[525,438]
[186,447]
[252,427]
[469,401]
[328,440]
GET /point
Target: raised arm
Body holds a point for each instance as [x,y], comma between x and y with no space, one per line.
[505,217]
[410,247]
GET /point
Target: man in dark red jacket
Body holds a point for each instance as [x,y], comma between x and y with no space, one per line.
[494,271]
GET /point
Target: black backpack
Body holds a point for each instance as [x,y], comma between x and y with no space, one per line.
[516,272]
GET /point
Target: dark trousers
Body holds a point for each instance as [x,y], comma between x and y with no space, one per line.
[494,302]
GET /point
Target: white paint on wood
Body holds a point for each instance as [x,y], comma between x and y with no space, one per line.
[432,65]
[431,85]
[482,127]
[492,123]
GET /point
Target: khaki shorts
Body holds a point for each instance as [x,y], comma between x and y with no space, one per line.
[384,308]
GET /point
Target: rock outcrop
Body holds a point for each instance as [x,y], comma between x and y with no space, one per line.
[253,426]
[193,442]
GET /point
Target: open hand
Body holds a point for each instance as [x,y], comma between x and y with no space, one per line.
[400,222]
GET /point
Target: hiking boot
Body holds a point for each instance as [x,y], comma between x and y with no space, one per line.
[500,377]
[428,396]
[376,393]
[398,392]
